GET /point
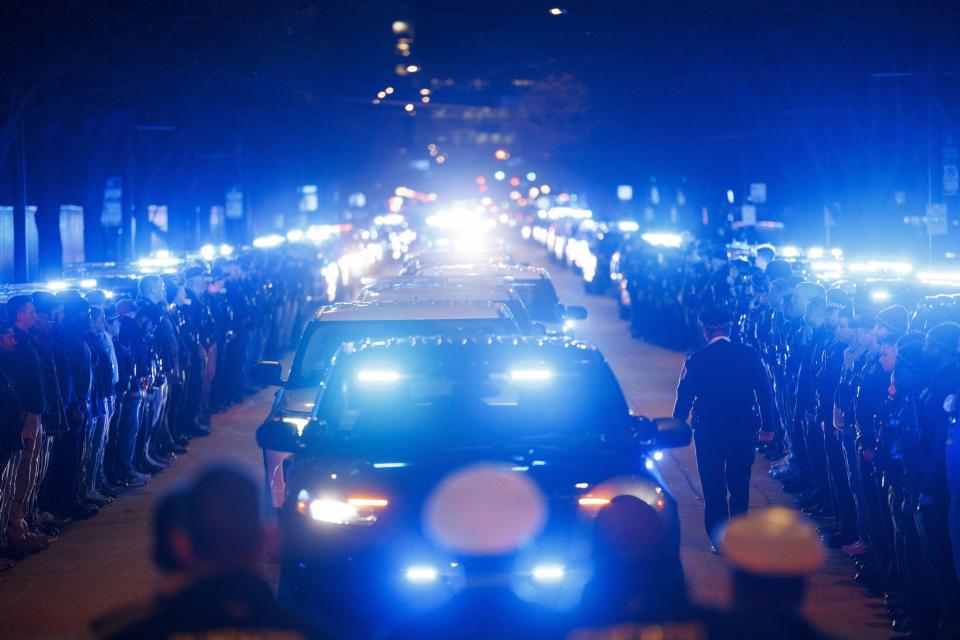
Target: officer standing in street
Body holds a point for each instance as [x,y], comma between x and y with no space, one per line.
[729,391]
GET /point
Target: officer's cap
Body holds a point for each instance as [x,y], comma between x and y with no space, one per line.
[715,317]
[777,269]
[945,335]
[895,318]
[774,542]
[484,510]
[194,272]
[807,291]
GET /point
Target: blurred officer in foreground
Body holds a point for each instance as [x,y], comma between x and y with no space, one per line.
[772,552]
[217,553]
[467,515]
[636,580]
[728,388]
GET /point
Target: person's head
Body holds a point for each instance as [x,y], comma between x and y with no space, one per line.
[76,314]
[716,257]
[847,326]
[484,513]
[943,342]
[49,309]
[628,531]
[152,289]
[765,255]
[771,552]
[172,552]
[892,320]
[8,341]
[778,270]
[98,319]
[815,314]
[21,312]
[126,308]
[911,369]
[112,320]
[96,297]
[716,322]
[224,525]
[195,280]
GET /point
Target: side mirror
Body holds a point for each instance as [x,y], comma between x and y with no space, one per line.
[276,435]
[575,312]
[268,373]
[671,433]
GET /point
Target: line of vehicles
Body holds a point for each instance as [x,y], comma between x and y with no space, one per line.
[618,258]
[466,357]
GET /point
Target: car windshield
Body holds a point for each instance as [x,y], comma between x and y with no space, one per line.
[322,339]
[540,299]
[450,404]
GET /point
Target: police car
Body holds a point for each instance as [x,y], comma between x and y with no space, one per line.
[532,284]
[334,325]
[399,415]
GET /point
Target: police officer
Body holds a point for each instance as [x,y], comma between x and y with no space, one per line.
[771,554]
[727,387]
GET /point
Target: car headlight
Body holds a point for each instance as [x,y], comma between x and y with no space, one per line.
[548,573]
[352,511]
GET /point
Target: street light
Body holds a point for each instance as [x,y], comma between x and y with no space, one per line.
[409,106]
[412,68]
[501,154]
[556,11]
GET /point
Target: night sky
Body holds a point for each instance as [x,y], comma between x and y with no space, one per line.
[710,95]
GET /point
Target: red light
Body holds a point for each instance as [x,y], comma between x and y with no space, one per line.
[514,182]
[481,180]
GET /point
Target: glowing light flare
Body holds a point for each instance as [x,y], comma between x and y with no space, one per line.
[628,226]
[298,423]
[874,266]
[368,502]
[378,376]
[671,240]
[590,501]
[789,252]
[549,572]
[88,283]
[422,574]
[269,242]
[499,175]
[208,252]
[531,375]
[56,285]
[880,296]
[815,253]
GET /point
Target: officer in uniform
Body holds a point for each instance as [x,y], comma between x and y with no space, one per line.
[728,389]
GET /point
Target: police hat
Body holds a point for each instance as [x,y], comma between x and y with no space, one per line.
[715,317]
[195,272]
[485,510]
[895,318]
[777,269]
[945,335]
[775,542]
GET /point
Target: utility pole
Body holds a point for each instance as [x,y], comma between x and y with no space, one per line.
[20,207]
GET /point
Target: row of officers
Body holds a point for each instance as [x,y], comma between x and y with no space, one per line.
[100,391]
[857,411]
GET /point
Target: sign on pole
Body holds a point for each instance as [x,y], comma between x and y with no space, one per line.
[111,215]
[758,192]
[624,192]
[951,180]
[748,214]
[936,219]
[234,208]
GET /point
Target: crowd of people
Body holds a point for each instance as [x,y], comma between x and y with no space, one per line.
[865,425]
[100,391]
[210,544]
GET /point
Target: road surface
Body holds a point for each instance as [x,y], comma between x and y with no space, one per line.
[105,562]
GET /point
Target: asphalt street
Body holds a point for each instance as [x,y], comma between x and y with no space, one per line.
[105,562]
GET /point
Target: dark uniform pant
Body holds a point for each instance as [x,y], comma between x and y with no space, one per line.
[724,459]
